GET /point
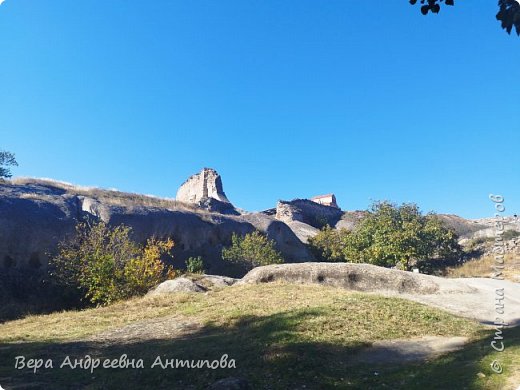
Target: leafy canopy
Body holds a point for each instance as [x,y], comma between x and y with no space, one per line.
[252,250]
[389,236]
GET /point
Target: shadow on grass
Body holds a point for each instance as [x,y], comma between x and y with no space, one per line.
[268,351]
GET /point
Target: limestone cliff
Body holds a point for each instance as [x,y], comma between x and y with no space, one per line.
[36,214]
[203,185]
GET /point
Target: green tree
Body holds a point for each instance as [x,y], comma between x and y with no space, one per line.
[106,265]
[252,250]
[7,159]
[328,244]
[390,236]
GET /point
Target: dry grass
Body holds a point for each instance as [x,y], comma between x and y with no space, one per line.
[339,316]
[483,268]
[282,335]
[109,196]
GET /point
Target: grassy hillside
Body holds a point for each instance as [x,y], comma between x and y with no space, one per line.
[281,336]
[483,268]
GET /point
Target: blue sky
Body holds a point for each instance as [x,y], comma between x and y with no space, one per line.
[286,99]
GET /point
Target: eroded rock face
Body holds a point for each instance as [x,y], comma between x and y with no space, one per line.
[308,212]
[359,277]
[35,216]
[206,184]
[33,219]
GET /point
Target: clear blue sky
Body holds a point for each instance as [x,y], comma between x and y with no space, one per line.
[369,100]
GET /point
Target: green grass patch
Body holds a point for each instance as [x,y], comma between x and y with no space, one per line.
[281,336]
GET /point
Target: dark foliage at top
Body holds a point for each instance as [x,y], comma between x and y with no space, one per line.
[432,5]
[508,13]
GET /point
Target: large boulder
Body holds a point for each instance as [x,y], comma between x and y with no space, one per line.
[193,283]
[360,277]
[180,284]
[210,282]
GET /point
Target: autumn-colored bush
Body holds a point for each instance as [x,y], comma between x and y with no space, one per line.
[106,265]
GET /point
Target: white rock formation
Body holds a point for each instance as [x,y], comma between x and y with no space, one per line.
[203,185]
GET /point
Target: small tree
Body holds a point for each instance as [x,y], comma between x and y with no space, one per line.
[195,265]
[7,159]
[106,265]
[252,250]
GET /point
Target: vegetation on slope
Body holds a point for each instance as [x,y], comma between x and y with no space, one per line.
[483,267]
[104,265]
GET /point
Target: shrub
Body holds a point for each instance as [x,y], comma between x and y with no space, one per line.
[391,236]
[328,244]
[147,270]
[195,265]
[106,265]
[252,250]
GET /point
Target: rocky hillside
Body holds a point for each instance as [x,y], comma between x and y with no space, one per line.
[36,214]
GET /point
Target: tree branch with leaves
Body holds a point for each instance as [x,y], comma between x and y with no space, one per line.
[508,11]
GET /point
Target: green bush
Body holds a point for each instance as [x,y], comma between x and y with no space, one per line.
[195,265]
[328,244]
[391,236]
[252,250]
[106,265]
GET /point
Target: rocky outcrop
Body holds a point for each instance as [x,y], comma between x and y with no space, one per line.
[463,227]
[193,283]
[281,233]
[217,206]
[350,219]
[462,297]
[302,230]
[308,212]
[359,277]
[203,185]
[33,218]
[35,215]
[488,229]
[176,285]
[213,281]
